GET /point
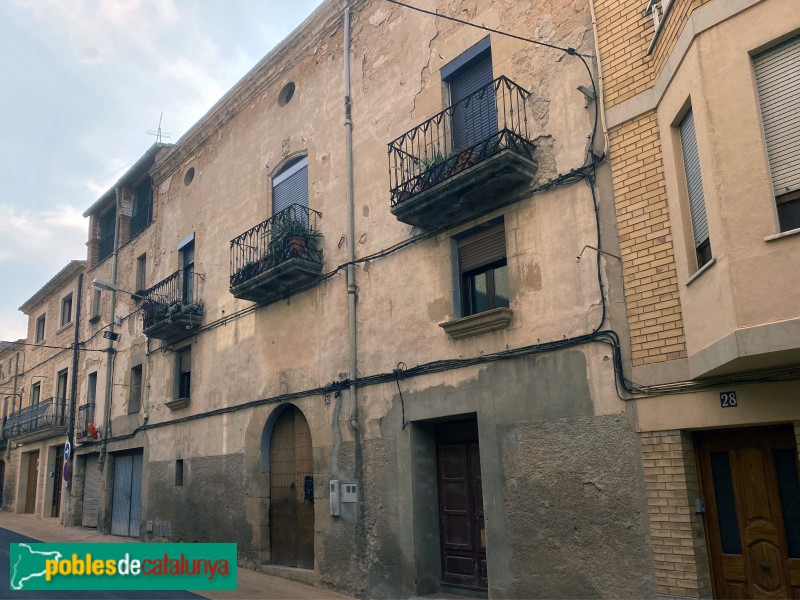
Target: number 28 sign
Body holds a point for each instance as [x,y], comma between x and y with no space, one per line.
[727,399]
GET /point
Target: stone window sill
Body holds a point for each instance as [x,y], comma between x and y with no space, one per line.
[700,271]
[64,327]
[178,403]
[491,320]
[781,235]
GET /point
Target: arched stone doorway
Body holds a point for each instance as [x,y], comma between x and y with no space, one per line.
[291,507]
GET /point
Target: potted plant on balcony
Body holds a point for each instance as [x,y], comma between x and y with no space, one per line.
[292,235]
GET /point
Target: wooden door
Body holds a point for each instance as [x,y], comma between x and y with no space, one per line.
[750,484]
[291,509]
[33,479]
[58,481]
[462,531]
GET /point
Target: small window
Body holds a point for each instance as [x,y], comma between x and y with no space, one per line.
[778,82]
[694,185]
[36,393]
[179,472]
[61,386]
[91,388]
[142,207]
[290,186]
[66,310]
[40,323]
[184,368]
[483,270]
[135,392]
[108,223]
[141,273]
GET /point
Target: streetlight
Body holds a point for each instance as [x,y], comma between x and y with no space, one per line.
[107,286]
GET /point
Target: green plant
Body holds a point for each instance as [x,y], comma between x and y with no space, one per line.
[290,227]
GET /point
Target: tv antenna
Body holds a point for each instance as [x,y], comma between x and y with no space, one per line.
[158,133]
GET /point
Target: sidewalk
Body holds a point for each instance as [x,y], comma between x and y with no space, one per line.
[252,584]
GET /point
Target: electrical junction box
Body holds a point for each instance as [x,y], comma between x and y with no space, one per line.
[334,497]
[349,492]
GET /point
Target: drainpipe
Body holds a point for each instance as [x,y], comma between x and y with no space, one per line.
[351,224]
[73,400]
[601,109]
[16,374]
[110,349]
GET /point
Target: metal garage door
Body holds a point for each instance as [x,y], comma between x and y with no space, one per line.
[127,503]
[92,479]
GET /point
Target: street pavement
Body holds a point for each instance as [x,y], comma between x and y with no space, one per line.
[251,584]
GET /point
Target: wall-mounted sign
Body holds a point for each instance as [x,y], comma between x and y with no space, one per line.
[727,400]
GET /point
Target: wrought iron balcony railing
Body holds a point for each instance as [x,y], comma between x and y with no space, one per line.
[51,412]
[291,233]
[173,296]
[85,416]
[465,134]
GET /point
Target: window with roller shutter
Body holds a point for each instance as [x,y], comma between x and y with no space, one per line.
[184,372]
[778,79]
[483,270]
[290,186]
[694,185]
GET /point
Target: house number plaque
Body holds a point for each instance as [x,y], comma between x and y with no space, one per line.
[727,400]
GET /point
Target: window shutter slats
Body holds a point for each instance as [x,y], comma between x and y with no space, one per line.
[188,255]
[475,120]
[185,361]
[483,249]
[694,179]
[778,79]
[292,189]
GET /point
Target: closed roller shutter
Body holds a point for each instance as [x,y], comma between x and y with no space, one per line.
[778,77]
[694,180]
[474,117]
[92,480]
[290,186]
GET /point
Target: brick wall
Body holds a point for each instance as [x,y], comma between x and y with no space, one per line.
[624,34]
[677,534]
[650,280]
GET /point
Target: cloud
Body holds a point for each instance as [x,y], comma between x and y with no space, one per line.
[50,237]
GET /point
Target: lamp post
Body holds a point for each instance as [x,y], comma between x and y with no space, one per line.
[107,286]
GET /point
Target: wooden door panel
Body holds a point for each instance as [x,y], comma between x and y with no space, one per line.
[32,482]
[463,538]
[758,564]
[291,517]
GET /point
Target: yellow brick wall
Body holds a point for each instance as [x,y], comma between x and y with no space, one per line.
[624,34]
[651,285]
[677,534]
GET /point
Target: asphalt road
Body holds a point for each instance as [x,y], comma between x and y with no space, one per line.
[9,537]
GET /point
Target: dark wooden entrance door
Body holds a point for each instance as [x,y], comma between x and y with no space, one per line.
[31,484]
[462,532]
[55,509]
[291,509]
[749,480]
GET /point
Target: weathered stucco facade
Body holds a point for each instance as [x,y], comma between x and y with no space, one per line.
[714,320]
[202,393]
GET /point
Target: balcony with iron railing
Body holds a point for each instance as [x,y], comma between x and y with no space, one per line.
[47,418]
[171,309]
[277,256]
[83,421]
[464,161]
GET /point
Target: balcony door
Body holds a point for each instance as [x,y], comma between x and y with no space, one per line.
[474,116]
[187,266]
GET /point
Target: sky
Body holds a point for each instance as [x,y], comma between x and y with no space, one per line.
[83,81]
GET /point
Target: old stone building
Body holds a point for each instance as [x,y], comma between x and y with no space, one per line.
[37,386]
[387,377]
[702,115]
